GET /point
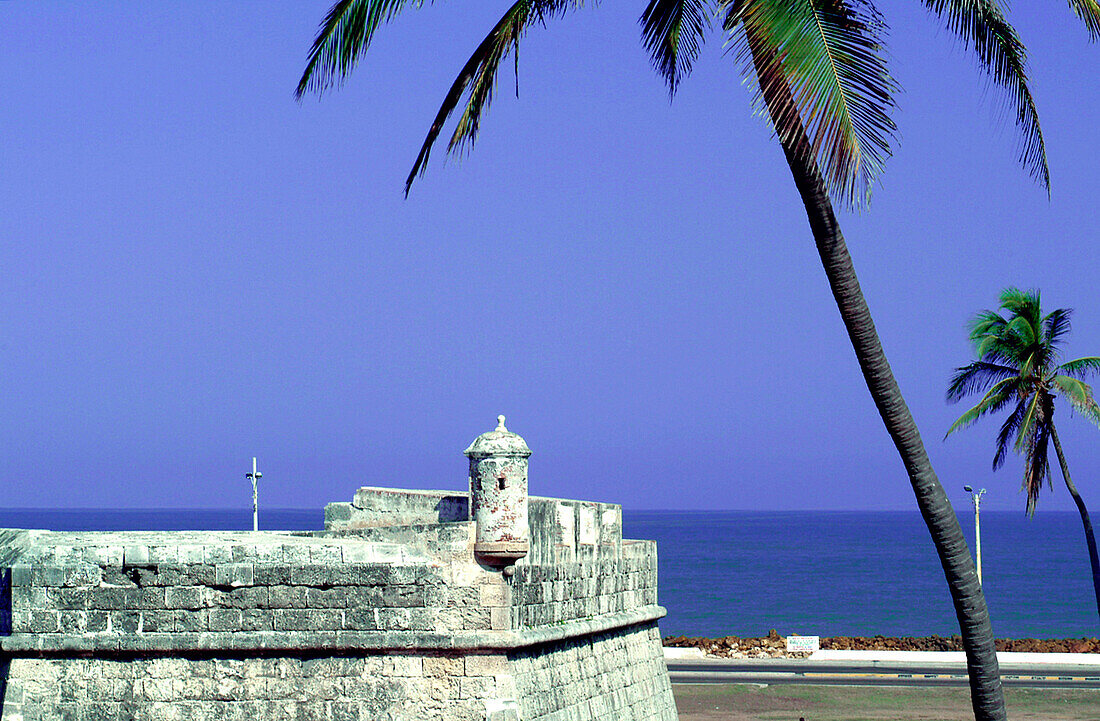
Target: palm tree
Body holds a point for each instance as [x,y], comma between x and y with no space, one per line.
[820,75]
[1018,368]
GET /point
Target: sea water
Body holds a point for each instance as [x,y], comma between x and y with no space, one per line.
[862,573]
[815,573]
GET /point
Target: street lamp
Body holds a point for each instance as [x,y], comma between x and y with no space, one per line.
[256,475]
[977,498]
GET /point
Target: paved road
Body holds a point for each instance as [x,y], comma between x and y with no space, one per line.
[884,673]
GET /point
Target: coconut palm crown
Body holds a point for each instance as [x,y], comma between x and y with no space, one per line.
[1018,367]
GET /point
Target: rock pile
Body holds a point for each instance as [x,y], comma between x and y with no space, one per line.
[774,645]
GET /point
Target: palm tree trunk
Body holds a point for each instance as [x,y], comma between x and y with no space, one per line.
[1090,538]
[987,696]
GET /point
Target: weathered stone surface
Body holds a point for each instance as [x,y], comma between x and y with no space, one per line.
[379,620]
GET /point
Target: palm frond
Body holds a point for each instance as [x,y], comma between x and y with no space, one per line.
[1035,448]
[1089,12]
[1080,368]
[1002,55]
[994,400]
[1008,429]
[977,376]
[672,31]
[1056,325]
[1079,395]
[1028,422]
[826,56]
[477,78]
[1021,302]
[343,36]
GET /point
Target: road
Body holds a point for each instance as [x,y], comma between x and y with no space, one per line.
[879,673]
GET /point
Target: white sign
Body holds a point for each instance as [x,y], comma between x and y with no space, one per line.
[803,644]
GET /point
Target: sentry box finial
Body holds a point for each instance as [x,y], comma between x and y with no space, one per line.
[498,494]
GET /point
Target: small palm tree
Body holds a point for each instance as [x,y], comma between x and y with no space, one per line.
[1018,368]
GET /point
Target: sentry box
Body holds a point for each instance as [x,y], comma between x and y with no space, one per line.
[498,494]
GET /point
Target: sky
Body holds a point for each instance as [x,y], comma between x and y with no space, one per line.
[198,269]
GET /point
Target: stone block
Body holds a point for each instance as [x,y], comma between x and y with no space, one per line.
[96,621]
[164,554]
[486,665]
[257,619]
[319,575]
[73,622]
[288,597]
[36,621]
[274,574]
[137,555]
[335,597]
[151,598]
[476,687]
[214,554]
[243,597]
[198,574]
[124,621]
[158,621]
[325,555]
[224,619]
[443,666]
[308,620]
[104,555]
[192,621]
[362,619]
[408,666]
[185,597]
[233,574]
[295,554]
[187,554]
[403,596]
[500,618]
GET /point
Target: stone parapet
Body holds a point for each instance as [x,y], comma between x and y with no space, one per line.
[387,613]
[561,530]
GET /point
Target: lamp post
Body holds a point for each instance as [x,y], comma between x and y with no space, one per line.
[977,498]
[255,476]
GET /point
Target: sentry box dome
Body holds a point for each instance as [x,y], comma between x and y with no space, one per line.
[498,494]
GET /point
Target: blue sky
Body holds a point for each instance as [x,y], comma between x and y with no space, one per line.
[198,269]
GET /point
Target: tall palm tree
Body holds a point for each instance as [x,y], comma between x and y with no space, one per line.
[1018,368]
[821,77]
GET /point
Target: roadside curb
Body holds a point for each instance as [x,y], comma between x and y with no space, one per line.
[1007,659]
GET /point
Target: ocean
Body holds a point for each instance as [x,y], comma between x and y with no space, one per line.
[817,573]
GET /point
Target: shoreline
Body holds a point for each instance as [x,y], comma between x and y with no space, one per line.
[774,645]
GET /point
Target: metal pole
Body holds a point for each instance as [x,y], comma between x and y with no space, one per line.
[978,531]
[256,514]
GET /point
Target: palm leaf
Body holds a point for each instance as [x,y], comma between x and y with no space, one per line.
[1080,367]
[672,31]
[1028,422]
[344,35]
[1035,449]
[478,77]
[1022,303]
[1008,429]
[1055,329]
[976,377]
[1002,55]
[827,56]
[1089,12]
[1080,396]
[994,400]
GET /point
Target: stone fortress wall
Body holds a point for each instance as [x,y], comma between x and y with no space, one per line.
[388,613]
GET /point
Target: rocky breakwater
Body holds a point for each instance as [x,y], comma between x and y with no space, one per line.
[774,645]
